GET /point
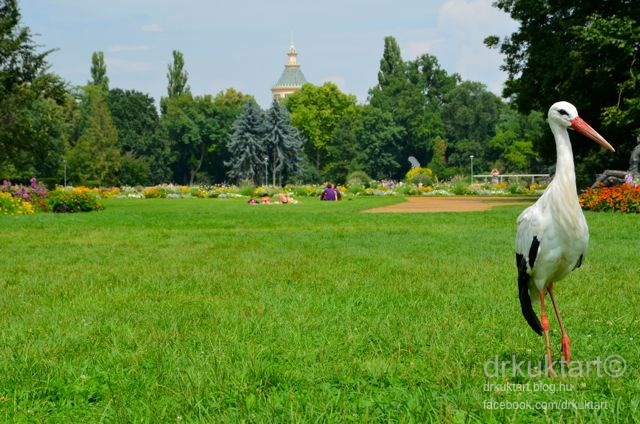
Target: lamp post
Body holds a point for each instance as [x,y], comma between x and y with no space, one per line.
[64,161]
[471,157]
[266,172]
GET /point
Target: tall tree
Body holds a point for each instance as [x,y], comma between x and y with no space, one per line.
[99,76]
[392,67]
[94,159]
[195,129]
[470,114]
[135,116]
[146,154]
[177,76]
[379,139]
[229,105]
[343,151]
[582,51]
[31,103]
[246,148]
[316,112]
[413,93]
[282,143]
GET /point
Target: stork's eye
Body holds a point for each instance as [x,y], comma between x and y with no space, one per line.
[563,112]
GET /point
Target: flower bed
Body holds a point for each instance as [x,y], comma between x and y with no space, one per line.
[87,199]
[10,205]
[76,199]
[624,198]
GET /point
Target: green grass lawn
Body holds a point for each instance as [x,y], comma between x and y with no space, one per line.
[213,310]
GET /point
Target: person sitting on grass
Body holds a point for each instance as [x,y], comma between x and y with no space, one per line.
[338,194]
[329,193]
[265,199]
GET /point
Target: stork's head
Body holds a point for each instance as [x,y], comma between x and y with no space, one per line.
[565,115]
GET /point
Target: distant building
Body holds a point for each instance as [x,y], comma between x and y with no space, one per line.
[291,79]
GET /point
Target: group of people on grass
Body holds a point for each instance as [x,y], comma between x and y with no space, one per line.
[330,193]
[265,199]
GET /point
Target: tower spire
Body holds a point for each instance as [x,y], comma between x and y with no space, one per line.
[292,78]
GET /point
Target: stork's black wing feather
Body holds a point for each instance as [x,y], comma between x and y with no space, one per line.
[523,286]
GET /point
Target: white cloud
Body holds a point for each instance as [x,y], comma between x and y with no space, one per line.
[463,26]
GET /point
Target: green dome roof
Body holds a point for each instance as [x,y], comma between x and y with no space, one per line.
[291,77]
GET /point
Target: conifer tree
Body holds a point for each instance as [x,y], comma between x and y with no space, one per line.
[283,143]
[245,147]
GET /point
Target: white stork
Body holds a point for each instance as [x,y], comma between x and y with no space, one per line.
[552,234]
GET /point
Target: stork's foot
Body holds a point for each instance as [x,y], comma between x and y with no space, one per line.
[566,348]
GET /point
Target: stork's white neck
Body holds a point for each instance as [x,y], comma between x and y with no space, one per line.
[565,169]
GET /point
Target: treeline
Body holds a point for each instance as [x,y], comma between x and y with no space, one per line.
[98,135]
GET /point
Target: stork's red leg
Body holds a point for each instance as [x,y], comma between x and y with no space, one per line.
[544,321]
[566,343]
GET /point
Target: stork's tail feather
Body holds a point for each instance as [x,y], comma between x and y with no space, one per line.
[525,299]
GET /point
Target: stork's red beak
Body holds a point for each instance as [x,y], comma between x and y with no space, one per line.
[582,127]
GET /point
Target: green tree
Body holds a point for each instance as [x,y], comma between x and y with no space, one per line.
[392,67]
[99,76]
[229,105]
[470,114]
[194,127]
[379,139]
[413,93]
[316,112]
[512,147]
[585,52]
[32,103]
[146,154]
[94,159]
[282,143]
[342,153]
[246,146]
[177,76]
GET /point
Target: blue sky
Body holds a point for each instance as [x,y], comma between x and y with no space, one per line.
[243,43]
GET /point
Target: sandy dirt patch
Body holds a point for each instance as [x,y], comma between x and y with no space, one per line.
[452,204]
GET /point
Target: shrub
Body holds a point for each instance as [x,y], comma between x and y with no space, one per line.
[356,189]
[246,188]
[154,193]
[201,192]
[79,199]
[459,186]
[624,198]
[515,188]
[418,175]
[307,190]
[358,177]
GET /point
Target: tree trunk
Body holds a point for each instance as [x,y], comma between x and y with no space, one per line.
[193,172]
